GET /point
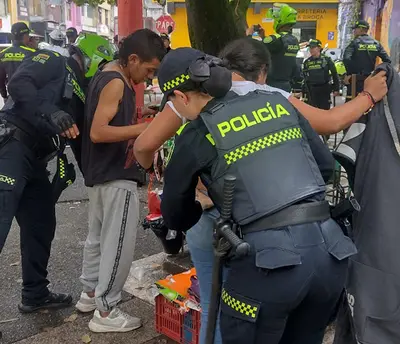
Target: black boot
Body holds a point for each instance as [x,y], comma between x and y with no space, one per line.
[52,301]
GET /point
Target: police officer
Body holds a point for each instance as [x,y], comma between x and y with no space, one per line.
[360,56]
[57,43]
[72,35]
[12,57]
[283,47]
[318,70]
[49,100]
[166,40]
[286,290]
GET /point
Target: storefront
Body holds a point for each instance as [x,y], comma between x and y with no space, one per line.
[316,19]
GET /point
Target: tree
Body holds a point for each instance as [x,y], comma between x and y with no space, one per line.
[211,23]
[94,2]
[214,23]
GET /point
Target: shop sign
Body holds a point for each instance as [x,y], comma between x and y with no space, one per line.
[311,13]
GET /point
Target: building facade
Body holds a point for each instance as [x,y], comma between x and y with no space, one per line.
[43,16]
[316,19]
[104,21]
[384,19]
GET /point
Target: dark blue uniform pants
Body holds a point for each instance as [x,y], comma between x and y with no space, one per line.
[26,194]
[291,302]
[320,96]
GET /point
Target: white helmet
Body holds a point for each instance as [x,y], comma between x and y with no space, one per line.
[57,35]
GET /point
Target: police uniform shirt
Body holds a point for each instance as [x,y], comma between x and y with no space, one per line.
[360,56]
[283,48]
[37,89]
[319,70]
[193,157]
[10,59]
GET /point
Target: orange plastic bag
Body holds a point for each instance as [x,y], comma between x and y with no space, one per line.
[179,283]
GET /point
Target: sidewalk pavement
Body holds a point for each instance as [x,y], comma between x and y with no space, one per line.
[75,329]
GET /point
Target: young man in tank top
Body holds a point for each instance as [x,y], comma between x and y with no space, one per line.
[111,173]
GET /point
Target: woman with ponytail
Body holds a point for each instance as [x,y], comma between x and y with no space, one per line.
[248,61]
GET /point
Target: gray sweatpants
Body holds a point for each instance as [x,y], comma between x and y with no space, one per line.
[109,247]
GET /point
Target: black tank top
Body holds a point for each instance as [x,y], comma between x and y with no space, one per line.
[105,162]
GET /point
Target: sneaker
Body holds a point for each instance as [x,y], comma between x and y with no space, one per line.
[86,304]
[117,321]
[52,301]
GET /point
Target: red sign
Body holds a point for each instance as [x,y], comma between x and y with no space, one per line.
[163,22]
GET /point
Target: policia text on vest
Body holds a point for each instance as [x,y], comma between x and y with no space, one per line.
[360,58]
[279,163]
[318,72]
[10,60]
[257,116]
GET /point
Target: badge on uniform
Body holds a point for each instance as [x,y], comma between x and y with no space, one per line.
[42,58]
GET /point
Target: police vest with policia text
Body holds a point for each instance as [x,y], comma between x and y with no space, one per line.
[315,72]
[259,140]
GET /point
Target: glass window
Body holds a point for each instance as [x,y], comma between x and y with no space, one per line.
[107,19]
[90,11]
[100,15]
[3,8]
[35,8]
[306,30]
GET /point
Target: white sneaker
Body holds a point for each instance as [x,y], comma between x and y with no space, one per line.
[86,304]
[117,321]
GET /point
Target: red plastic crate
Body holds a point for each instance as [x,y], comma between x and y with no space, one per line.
[183,328]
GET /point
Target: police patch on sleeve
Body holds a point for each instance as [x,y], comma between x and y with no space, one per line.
[268,39]
[41,58]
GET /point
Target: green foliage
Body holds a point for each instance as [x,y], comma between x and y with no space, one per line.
[94,2]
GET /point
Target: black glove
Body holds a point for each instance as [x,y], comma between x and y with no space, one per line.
[62,120]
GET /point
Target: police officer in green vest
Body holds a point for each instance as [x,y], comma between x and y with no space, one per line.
[282,45]
[360,56]
[12,57]
[287,288]
[318,71]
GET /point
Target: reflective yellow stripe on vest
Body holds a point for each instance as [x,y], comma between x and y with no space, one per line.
[262,143]
[4,50]
[179,131]
[26,48]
